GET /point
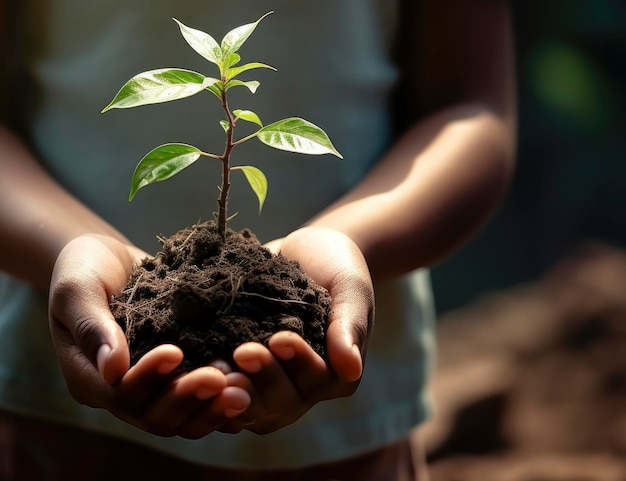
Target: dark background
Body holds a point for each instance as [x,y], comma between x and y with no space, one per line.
[570,183]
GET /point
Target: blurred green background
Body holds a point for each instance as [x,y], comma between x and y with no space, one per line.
[570,181]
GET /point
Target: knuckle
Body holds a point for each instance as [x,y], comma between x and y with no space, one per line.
[87,335]
[64,291]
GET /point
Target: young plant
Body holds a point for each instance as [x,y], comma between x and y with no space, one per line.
[167,84]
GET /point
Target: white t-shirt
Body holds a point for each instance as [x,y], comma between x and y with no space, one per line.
[334,69]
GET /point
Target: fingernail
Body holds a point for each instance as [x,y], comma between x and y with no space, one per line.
[104,352]
[285,352]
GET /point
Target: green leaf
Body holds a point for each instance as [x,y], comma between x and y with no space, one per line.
[251,85]
[202,43]
[257,180]
[297,135]
[162,163]
[225,125]
[233,72]
[216,89]
[234,39]
[248,116]
[232,59]
[161,85]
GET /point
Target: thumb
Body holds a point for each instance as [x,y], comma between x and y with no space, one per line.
[349,326]
[335,262]
[87,338]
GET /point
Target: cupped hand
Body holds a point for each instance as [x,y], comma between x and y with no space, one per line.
[288,378]
[94,357]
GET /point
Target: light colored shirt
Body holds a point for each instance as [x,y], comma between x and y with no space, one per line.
[334,69]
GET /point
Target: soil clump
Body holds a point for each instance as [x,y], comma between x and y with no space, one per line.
[208,297]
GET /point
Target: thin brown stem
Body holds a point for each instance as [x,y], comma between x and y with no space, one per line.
[222,201]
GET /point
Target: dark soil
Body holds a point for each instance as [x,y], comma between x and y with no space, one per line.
[531,381]
[208,297]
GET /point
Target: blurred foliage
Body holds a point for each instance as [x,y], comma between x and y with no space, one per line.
[565,81]
[570,183]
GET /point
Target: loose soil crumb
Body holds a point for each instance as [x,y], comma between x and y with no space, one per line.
[208,297]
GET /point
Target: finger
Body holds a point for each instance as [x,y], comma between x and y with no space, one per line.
[83,380]
[220,414]
[266,374]
[79,300]
[343,271]
[276,400]
[307,371]
[350,323]
[240,380]
[238,420]
[91,328]
[146,378]
[168,412]
[346,346]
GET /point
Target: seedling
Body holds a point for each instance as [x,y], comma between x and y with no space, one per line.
[168,84]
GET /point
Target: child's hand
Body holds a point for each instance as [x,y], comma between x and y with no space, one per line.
[287,379]
[94,357]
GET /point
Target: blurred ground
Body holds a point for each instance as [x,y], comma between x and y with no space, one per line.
[531,380]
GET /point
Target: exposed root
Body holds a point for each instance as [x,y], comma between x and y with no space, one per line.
[274,299]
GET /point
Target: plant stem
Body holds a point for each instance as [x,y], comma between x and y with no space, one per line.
[222,200]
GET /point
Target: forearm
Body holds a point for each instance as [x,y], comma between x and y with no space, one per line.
[37,216]
[435,188]
[449,172]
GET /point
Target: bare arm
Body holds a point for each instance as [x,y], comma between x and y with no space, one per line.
[449,171]
[37,217]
